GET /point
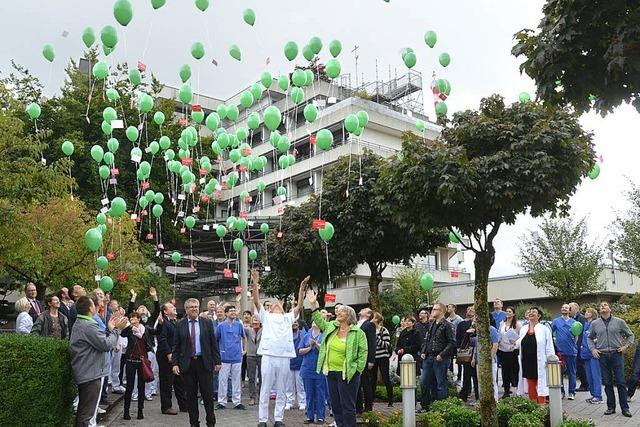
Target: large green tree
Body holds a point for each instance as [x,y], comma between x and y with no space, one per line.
[560,259]
[407,296]
[488,167]
[627,229]
[585,53]
[365,232]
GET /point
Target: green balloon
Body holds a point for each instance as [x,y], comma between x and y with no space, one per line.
[358,131]
[221,231]
[241,224]
[104,171]
[234,155]
[253,255]
[266,79]
[299,78]
[235,53]
[145,103]
[213,121]
[202,5]
[363,118]
[233,179]
[333,68]
[93,239]
[445,59]
[426,282]
[307,52]
[113,145]
[197,117]
[454,237]
[441,109]
[101,218]
[88,37]
[113,95]
[157,211]
[185,73]
[118,207]
[326,233]
[253,121]
[284,144]
[107,50]
[246,99]
[34,110]
[316,44]
[310,77]
[409,59]
[324,139]
[351,123]
[291,50]
[233,113]
[109,114]
[109,158]
[197,50]
[283,161]
[145,167]
[264,228]
[310,113]
[238,244]
[102,262]
[283,83]
[67,148]
[274,138]
[165,142]
[106,284]
[249,16]
[159,118]
[430,38]
[335,47]
[135,78]
[158,198]
[176,257]
[109,36]
[524,97]
[48,53]
[420,125]
[595,171]
[157,4]
[395,319]
[272,118]
[257,90]
[576,328]
[132,133]
[281,191]
[185,94]
[189,222]
[106,128]
[297,95]
[261,186]
[100,70]
[123,12]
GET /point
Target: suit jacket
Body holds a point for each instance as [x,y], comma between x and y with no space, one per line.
[166,336]
[369,330]
[33,313]
[182,352]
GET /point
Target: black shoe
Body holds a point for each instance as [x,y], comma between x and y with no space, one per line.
[390,405]
[126,416]
[582,388]
[610,411]
[262,424]
[279,424]
[626,413]
[240,407]
[307,421]
[220,406]
[140,414]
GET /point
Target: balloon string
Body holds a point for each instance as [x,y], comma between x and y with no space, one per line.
[321,178]
[326,251]
[146,43]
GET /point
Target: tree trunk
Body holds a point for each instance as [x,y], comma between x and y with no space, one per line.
[374,291]
[483,262]
[41,288]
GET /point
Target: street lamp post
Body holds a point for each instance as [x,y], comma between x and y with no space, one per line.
[554,382]
[408,386]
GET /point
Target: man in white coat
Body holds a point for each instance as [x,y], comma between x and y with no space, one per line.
[276,348]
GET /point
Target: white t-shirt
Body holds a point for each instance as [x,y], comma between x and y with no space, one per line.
[277,335]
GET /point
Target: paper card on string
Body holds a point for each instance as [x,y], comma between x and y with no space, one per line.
[181,197]
[144,212]
[104,201]
[117,124]
[134,216]
[329,297]
[136,158]
[318,224]
[280,210]
[312,139]
[145,185]
[196,209]
[238,289]
[267,268]
[150,236]
[113,181]
[148,149]
[277,200]
[115,171]
[157,253]
[142,67]
[160,246]
[97,277]
[43,161]
[196,107]
[104,210]
[332,100]
[227,273]
[183,230]
[250,223]
[244,214]
[187,162]
[206,228]
[180,214]
[138,220]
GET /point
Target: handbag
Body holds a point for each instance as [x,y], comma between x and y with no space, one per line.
[147,372]
[465,352]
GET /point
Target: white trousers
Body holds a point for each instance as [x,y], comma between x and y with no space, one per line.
[233,371]
[115,369]
[153,385]
[295,390]
[274,373]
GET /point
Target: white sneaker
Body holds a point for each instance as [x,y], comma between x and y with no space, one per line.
[148,398]
[134,398]
[302,407]
[101,411]
[287,407]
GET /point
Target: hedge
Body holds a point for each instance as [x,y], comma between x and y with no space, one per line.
[36,382]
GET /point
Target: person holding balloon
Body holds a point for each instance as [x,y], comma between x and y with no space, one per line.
[566,330]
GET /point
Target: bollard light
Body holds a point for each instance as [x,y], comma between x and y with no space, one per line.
[407,372]
[554,372]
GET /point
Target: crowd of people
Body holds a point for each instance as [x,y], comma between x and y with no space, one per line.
[331,365]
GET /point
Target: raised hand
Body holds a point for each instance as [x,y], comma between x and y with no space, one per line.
[311,296]
[111,323]
[305,282]
[238,298]
[255,276]
[153,293]
[122,323]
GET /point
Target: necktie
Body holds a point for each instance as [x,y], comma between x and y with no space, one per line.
[193,337]
[35,305]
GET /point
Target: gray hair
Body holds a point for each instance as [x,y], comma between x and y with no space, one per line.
[22,305]
[352,319]
[191,301]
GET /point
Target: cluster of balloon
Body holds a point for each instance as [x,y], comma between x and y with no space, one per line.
[355,123]
[426,282]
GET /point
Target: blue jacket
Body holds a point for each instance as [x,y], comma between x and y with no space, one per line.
[296,362]
[308,370]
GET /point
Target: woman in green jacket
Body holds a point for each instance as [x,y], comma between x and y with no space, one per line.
[343,357]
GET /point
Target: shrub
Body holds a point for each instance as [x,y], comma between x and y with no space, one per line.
[395,420]
[430,419]
[371,419]
[443,406]
[36,382]
[577,423]
[509,407]
[525,420]
[458,416]
[381,393]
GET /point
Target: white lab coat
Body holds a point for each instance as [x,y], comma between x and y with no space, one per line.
[544,341]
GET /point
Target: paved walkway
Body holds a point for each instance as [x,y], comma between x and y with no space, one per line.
[581,409]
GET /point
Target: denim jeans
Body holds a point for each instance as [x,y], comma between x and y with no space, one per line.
[632,384]
[314,387]
[343,394]
[612,369]
[592,369]
[434,372]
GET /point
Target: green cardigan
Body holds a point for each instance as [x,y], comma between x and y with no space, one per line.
[356,354]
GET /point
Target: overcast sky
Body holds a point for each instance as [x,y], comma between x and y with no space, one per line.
[477,34]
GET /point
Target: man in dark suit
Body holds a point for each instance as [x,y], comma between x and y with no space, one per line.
[168,382]
[195,357]
[36,306]
[366,378]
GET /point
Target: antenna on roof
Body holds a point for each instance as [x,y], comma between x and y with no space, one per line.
[355,52]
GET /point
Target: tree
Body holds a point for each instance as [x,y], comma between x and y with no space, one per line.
[295,251]
[365,233]
[407,296]
[561,261]
[585,53]
[487,167]
[627,228]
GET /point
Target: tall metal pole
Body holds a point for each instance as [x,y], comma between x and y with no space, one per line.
[244,278]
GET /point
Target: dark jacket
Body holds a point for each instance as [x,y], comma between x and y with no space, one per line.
[146,338]
[154,315]
[32,312]
[369,330]
[182,352]
[166,336]
[422,329]
[461,331]
[44,323]
[409,341]
[64,309]
[580,318]
[72,317]
[439,340]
